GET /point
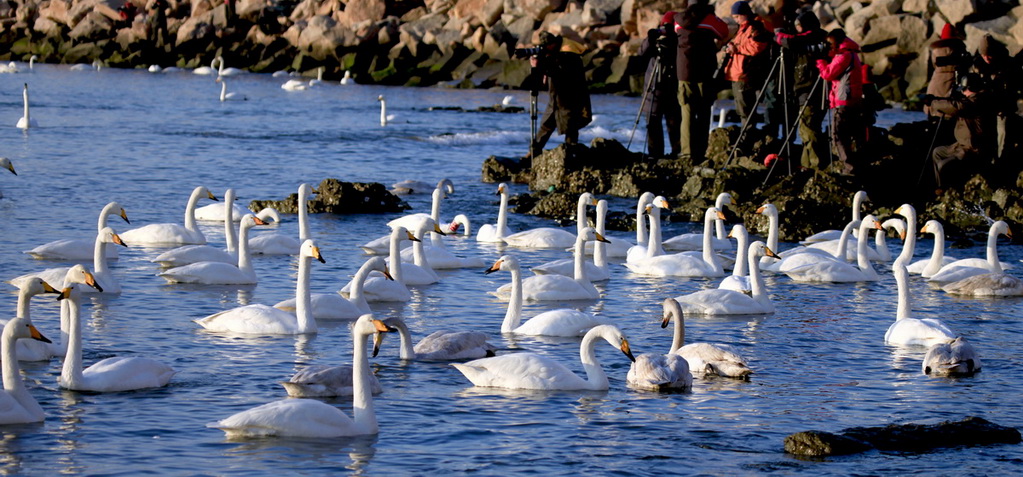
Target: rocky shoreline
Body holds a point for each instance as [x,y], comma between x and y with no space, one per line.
[461,43]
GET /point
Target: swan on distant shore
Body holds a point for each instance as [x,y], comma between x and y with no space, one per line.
[26,121]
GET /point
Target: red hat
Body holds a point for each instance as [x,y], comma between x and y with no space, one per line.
[668,18]
[948,32]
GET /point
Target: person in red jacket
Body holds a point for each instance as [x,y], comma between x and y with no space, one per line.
[749,49]
[845,76]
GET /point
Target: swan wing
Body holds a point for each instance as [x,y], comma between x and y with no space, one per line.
[560,322]
[70,249]
[986,284]
[208,273]
[544,237]
[714,359]
[655,372]
[215,212]
[554,288]
[959,270]
[289,418]
[918,332]
[192,254]
[252,319]
[162,235]
[323,381]
[445,345]
[122,373]
[826,271]
[274,244]
[957,358]
[12,412]
[520,371]
[326,306]
[379,289]
[674,266]
[717,301]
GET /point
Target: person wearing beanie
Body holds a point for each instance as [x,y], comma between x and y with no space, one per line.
[660,104]
[568,105]
[948,60]
[806,46]
[1004,79]
[699,32]
[973,149]
[748,63]
[843,72]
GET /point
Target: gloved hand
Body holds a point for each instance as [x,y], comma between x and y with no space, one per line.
[821,64]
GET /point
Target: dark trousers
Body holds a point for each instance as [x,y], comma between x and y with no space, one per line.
[814,145]
[668,111]
[549,124]
[846,132]
[695,101]
[745,100]
[947,160]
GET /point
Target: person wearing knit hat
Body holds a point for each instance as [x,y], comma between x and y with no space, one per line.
[699,31]
[948,60]
[660,103]
[568,107]
[1004,79]
[749,53]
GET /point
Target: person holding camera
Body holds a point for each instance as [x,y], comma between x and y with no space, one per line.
[975,117]
[844,74]
[808,45]
[662,87]
[698,32]
[568,105]
[748,50]
[948,60]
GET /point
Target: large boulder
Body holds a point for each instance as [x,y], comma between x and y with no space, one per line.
[971,431]
[337,197]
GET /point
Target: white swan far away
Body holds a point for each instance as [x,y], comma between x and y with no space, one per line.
[17,406]
[721,301]
[81,249]
[441,345]
[220,273]
[115,374]
[968,267]
[171,235]
[384,117]
[232,96]
[929,266]
[413,186]
[705,359]
[694,241]
[347,79]
[954,359]
[333,306]
[559,322]
[102,271]
[207,70]
[495,233]
[532,371]
[312,418]
[858,198]
[26,121]
[909,331]
[276,243]
[267,320]
[559,287]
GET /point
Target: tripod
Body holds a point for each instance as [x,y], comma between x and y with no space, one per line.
[753,109]
[792,128]
[533,94]
[655,79]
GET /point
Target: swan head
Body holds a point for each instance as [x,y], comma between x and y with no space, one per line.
[107,235]
[209,195]
[123,214]
[78,274]
[23,328]
[896,224]
[589,233]
[646,198]
[268,214]
[906,211]
[507,100]
[380,98]
[671,309]
[760,249]
[723,199]
[379,264]
[613,335]
[37,286]
[870,222]
[506,263]
[860,196]
[768,209]
[659,202]
[1000,227]
[932,227]
[714,213]
[249,220]
[6,164]
[738,230]
[306,190]
[502,188]
[389,325]
[447,186]
[587,198]
[309,249]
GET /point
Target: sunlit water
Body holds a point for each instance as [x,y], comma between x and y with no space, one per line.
[146,140]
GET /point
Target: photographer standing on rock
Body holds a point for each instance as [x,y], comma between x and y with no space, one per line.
[568,104]
[661,88]
[749,53]
[697,30]
[807,46]
[845,75]
[975,118]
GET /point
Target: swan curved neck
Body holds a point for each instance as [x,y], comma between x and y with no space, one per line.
[303,309]
[71,373]
[407,351]
[108,210]
[229,234]
[992,251]
[678,338]
[595,376]
[902,282]
[861,251]
[362,397]
[843,241]
[358,282]
[938,254]
[303,215]
[190,210]
[513,317]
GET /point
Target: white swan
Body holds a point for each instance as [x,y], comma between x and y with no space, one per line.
[681,264]
[227,71]
[326,381]
[114,374]
[880,244]
[102,272]
[17,406]
[439,256]
[312,418]
[384,117]
[719,301]
[26,121]
[694,241]
[333,306]
[559,287]
[273,243]
[858,198]
[37,350]
[532,371]
[225,96]
[413,222]
[739,280]
[659,372]
[928,267]
[957,358]
[207,70]
[187,254]
[295,85]
[171,234]
[381,288]
[801,255]
[220,273]
[647,207]
[419,272]
[267,320]
[80,249]
[495,233]
[839,271]
[913,331]
[216,212]
[614,247]
[319,77]
[560,322]
[968,267]
[595,271]
[550,237]
[704,359]
[440,345]
[347,79]
[412,186]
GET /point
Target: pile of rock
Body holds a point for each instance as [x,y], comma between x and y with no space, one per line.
[336,197]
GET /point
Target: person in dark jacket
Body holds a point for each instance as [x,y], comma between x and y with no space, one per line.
[568,105]
[1003,79]
[844,73]
[807,46]
[698,30]
[948,60]
[661,103]
[974,123]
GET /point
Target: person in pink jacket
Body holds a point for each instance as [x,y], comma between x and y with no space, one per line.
[845,76]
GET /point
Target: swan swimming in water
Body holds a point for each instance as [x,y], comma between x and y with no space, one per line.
[720,301]
[333,306]
[225,96]
[551,237]
[80,249]
[913,331]
[275,243]
[220,273]
[384,117]
[559,287]
[26,121]
[347,79]
[532,371]
[858,199]
[929,266]
[172,234]
[104,276]
[17,406]
[957,358]
[967,267]
[704,359]
[495,233]
[36,350]
[694,241]
[312,418]
[440,345]
[113,374]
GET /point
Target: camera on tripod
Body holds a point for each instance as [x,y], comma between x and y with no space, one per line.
[819,49]
[527,52]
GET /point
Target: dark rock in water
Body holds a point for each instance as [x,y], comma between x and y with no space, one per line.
[522,203]
[445,108]
[971,431]
[506,169]
[500,108]
[556,205]
[620,221]
[336,197]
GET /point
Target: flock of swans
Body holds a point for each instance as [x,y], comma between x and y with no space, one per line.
[417,241]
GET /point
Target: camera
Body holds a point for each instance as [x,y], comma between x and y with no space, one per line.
[821,48]
[955,59]
[527,52]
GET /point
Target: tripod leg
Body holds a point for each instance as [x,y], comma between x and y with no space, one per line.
[756,103]
[647,93]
